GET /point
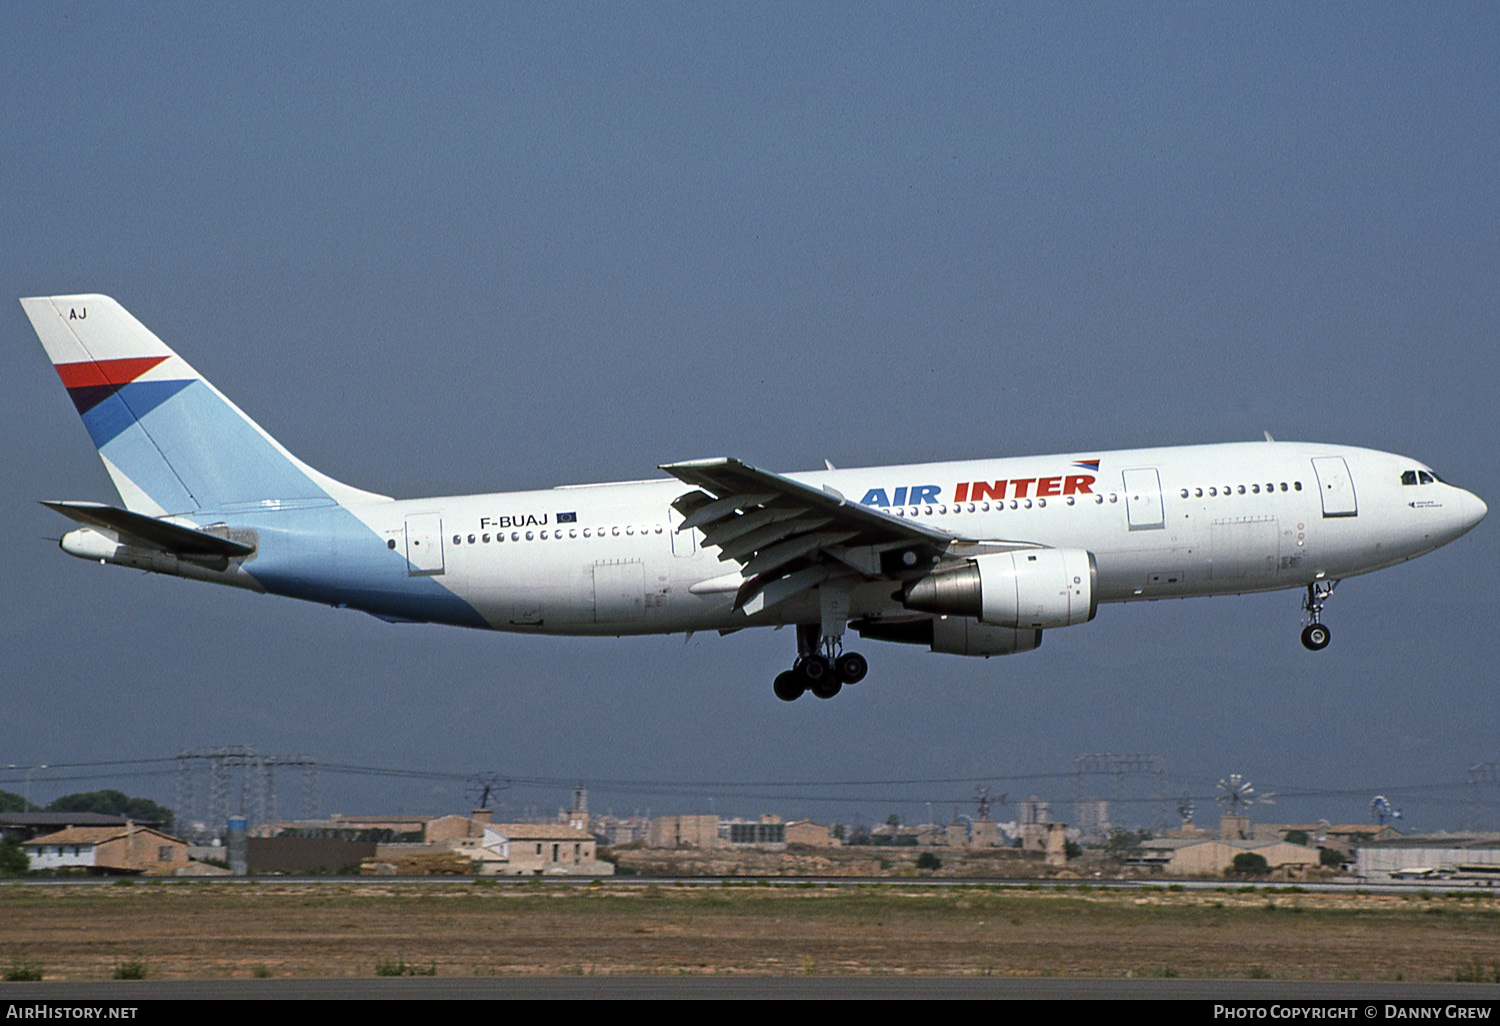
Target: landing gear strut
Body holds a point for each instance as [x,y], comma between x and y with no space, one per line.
[822,666]
[1315,636]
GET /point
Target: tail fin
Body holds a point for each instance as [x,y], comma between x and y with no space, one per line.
[170,440]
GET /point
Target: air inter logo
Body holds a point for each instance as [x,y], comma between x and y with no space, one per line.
[979,491]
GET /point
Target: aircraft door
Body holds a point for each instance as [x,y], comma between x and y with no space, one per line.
[1335,486]
[684,543]
[1143,506]
[424,544]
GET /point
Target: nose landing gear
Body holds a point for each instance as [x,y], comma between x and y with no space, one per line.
[1316,635]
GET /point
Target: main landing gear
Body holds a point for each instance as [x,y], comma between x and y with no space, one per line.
[1315,636]
[822,667]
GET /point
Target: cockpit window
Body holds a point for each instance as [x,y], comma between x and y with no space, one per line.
[1409,477]
[1423,477]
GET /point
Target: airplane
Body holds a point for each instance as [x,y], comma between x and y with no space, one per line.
[973,558]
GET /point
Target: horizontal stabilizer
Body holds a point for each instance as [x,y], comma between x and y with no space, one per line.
[137,527]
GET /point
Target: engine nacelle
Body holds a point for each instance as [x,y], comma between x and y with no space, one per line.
[1027,589]
[952,635]
[962,635]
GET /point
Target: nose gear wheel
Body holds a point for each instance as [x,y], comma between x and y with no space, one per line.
[1316,635]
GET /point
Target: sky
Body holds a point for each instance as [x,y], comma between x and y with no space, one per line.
[446,248]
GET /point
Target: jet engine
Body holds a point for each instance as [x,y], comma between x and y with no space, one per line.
[952,635]
[1026,589]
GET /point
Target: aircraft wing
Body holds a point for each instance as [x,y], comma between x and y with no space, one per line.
[159,534]
[788,536]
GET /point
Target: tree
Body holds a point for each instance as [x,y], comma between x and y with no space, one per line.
[1123,840]
[13,860]
[1296,837]
[11,802]
[927,860]
[110,802]
[1247,863]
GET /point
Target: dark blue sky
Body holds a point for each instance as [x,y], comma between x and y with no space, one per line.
[448,248]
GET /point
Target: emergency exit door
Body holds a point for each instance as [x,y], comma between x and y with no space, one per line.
[424,544]
[1143,500]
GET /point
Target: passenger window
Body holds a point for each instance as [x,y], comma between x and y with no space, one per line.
[484,538]
[1213,492]
[1296,486]
[458,539]
[1198,493]
[1184,493]
[1242,489]
[1255,488]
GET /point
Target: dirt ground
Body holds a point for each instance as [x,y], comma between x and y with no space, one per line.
[225,930]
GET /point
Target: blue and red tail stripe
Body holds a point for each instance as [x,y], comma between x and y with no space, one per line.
[92,382]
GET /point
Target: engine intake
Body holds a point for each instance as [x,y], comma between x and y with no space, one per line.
[1030,589]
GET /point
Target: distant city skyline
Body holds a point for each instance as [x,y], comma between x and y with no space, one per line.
[1136,800]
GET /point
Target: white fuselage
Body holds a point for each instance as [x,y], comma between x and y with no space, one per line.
[1161,523]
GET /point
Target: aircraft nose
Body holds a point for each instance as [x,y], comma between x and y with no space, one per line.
[1474,510]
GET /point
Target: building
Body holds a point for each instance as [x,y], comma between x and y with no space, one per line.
[546,849]
[684,832]
[1187,856]
[813,835]
[1440,856]
[617,830]
[1342,836]
[23,826]
[768,833]
[130,849]
[1092,817]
